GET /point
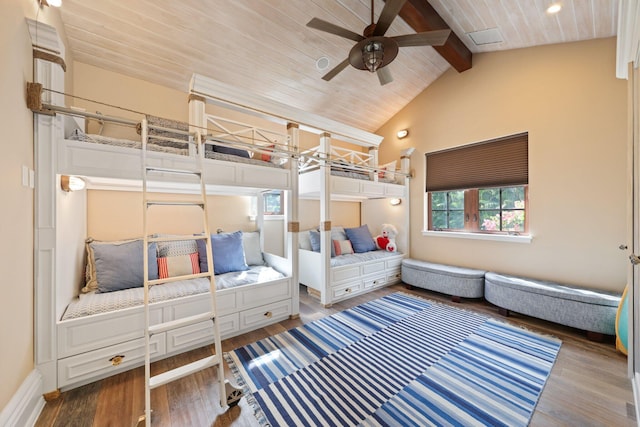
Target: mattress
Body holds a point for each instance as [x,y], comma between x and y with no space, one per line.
[78,135]
[96,303]
[231,158]
[341,260]
[341,171]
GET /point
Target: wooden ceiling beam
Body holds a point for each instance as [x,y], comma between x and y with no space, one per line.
[421,16]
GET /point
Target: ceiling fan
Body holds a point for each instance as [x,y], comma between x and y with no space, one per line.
[373,51]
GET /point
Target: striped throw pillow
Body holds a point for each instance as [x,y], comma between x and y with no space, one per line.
[342,247]
[181,265]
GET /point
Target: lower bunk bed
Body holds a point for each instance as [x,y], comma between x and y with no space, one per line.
[350,273]
[102,333]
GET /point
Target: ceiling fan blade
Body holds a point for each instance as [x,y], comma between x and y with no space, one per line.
[334,72]
[428,38]
[328,27]
[388,14]
[384,75]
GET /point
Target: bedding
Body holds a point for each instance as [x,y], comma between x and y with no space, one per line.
[228,253]
[361,239]
[231,158]
[361,257]
[96,303]
[78,135]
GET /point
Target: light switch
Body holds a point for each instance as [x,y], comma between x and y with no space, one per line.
[25,176]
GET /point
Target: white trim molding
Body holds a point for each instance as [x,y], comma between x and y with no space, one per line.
[479,236]
[26,404]
[628,40]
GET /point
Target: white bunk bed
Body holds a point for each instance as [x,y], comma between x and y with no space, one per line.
[101,334]
[335,173]
[75,351]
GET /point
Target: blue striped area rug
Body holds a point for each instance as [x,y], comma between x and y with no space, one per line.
[397,360]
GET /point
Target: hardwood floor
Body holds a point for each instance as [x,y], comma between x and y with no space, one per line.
[588,385]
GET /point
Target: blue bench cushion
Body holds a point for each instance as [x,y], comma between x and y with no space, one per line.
[447,279]
[574,293]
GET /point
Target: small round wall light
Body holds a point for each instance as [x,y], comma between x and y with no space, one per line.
[403,133]
[395,202]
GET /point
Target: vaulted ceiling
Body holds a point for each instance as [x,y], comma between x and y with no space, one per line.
[265,46]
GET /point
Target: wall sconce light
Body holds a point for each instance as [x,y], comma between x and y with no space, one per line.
[72,183]
[395,202]
[403,133]
[54,3]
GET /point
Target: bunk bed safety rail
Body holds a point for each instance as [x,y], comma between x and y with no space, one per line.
[234,134]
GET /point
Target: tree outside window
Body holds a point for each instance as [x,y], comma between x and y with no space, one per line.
[273,202]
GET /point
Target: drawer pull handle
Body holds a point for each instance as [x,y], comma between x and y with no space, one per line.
[347,290]
[116,360]
[268,315]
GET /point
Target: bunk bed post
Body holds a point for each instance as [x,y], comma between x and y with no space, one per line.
[405,168]
[197,117]
[291,219]
[373,162]
[325,219]
[47,129]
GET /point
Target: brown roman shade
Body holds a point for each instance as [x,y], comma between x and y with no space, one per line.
[495,163]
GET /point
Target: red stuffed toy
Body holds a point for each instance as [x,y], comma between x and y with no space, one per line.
[387,240]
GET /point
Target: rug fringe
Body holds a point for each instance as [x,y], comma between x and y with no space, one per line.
[251,400]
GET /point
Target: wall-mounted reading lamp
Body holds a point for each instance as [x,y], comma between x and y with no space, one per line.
[402,133]
[54,3]
[72,183]
[395,202]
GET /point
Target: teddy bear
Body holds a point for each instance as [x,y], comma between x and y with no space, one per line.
[387,240]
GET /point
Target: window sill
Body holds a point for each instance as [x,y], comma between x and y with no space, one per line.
[273,217]
[479,236]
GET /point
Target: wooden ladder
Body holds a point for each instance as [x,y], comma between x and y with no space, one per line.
[229,395]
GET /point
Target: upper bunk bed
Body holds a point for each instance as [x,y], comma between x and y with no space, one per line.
[355,175]
[236,154]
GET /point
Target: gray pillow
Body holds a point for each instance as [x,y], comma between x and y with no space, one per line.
[252,250]
[120,265]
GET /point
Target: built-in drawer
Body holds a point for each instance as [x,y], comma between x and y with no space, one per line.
[394,276]
[340,274]
[226,301]
[229,325]
[107,361]
[84,334]
[373,282]
[393,264]
[266,314]
[187,307]
[257,295]
[373,267]
[188,337]
[346,291]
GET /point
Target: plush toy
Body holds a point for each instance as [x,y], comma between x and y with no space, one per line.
[387,240]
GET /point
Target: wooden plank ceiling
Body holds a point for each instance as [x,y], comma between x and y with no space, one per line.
[264,46]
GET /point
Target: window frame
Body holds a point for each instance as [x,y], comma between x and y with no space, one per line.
[472,213]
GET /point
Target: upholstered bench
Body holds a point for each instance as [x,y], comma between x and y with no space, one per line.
[458,282]
[589,309]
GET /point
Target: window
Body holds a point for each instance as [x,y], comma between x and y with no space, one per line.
[273,202]
[488,210]
[480,188]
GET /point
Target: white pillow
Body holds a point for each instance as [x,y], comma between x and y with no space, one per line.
[303,240]
[252,250]
[390,169]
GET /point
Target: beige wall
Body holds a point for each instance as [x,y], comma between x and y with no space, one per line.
[568,99]
[16,215]
[113,215]
[345,214]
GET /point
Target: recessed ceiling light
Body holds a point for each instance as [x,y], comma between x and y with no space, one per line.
[554,8]
[322,63]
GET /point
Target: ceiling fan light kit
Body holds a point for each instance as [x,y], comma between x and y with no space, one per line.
[373,51]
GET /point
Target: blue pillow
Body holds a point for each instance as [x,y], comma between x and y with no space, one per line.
[228,253]
[232,151]
[361,239]
[314,238]
[119,265]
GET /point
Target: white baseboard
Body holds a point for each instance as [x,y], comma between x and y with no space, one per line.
[26,404]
